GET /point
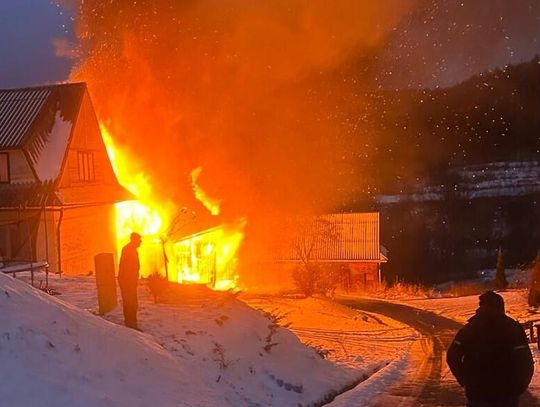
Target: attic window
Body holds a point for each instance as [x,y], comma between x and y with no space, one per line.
[85,163]
[4,168]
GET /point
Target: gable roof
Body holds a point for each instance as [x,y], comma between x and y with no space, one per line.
[18,110]
[40,121]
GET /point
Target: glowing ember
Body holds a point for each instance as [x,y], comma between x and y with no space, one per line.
[208,257]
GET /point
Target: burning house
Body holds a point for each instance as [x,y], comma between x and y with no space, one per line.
[57,185]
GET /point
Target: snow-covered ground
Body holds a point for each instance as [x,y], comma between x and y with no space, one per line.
[462,308]
[201,348]
[205,348]
[357,339]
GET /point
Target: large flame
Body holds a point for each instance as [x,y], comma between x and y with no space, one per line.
[208,257]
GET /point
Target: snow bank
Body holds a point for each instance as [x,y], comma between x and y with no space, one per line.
[55,354]
[228,346]
[351,338]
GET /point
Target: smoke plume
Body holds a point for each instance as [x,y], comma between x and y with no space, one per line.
[250,91]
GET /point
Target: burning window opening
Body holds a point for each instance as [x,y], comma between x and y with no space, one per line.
[206,257]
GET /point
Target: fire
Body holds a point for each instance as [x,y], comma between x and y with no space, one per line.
[208,257]
[213,205]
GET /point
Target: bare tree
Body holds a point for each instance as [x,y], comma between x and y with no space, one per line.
[312,241]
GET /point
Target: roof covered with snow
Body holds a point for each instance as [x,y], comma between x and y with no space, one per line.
[40,121]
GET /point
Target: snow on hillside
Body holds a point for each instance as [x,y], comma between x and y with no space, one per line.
[462,308]
[497,179]
[55,354]
[227,346]
[352,338]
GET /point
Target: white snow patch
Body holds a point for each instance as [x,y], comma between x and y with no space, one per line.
[378,383]
[55,354]
[50,159]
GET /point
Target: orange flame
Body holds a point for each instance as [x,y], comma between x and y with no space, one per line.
[208,257]
[213,205]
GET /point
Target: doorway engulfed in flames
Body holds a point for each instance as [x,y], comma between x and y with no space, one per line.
[207,257]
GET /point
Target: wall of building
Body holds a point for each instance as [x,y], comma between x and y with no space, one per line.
[46,248]
[17,234]
[357,276]
[362,276]
[19,169]
[87,138]
[85,232]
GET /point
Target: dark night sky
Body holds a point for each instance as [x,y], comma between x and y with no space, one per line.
[27,54]
[443,41]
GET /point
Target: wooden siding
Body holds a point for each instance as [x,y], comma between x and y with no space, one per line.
[87,139]
[85,232]
[342,237]
[19,168]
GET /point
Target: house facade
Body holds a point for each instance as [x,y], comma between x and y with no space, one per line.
[57,185]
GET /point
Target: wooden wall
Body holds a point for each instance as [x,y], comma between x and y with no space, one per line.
[85,232]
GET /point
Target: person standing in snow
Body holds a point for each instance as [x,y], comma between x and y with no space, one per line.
[128,278]
[490,356]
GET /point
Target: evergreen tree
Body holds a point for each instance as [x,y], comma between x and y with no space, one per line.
[500,277]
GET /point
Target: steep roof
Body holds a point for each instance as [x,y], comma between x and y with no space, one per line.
[40,121]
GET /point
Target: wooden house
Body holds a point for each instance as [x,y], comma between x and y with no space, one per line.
[57,185]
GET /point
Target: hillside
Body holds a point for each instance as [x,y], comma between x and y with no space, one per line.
[418,135]
[210,351]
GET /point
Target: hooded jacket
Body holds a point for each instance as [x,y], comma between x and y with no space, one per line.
[490,356]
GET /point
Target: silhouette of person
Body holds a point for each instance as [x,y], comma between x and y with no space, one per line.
[128,278]
[490,356]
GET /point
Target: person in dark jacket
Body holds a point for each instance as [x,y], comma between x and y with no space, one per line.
[128,278]
[490,356]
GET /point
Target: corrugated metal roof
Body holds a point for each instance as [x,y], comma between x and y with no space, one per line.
[19,108]
[28,195]
[333,237]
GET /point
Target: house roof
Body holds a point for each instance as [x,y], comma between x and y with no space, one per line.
[341,237]
[40,121]
[28,195]
[18,110]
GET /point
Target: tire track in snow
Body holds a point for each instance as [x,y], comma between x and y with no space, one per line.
[427,382]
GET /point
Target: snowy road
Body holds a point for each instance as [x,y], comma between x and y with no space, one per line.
[427,381]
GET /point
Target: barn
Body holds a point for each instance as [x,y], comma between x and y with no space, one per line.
[348,242]
[57,185]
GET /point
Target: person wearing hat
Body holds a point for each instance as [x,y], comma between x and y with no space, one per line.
[128,278]
[490,356]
